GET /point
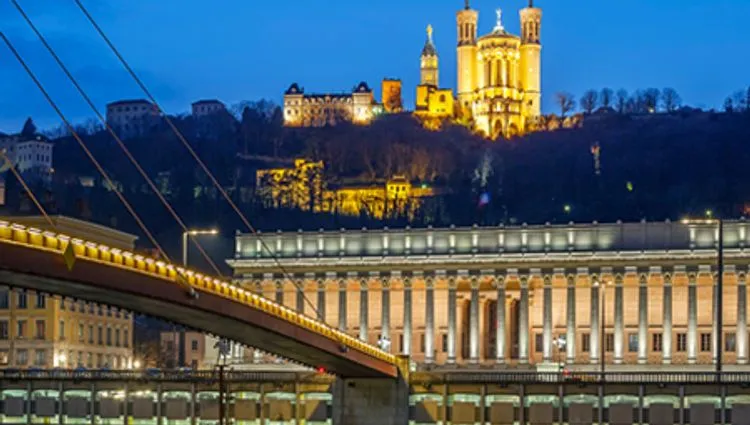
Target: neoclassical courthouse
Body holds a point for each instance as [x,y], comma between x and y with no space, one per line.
[517,296]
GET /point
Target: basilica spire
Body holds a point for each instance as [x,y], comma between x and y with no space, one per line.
[467,7]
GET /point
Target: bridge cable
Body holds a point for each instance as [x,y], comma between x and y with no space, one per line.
[75,135]
[122,146]
[28,190]
[195,156]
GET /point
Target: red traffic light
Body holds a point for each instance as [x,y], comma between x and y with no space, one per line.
[321,370]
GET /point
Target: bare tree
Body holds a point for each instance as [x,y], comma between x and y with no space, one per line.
[622,100]
[728,105]
[566,102]
[670,99]
[606,96]
[589,101]
[650,99]
[739,100]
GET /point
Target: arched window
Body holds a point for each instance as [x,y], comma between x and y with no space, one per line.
[442,98]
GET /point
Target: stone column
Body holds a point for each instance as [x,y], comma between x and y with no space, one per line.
[619,335]
[595,325]
[714,325]
[342,305]
[429,332]
[363,310]
[692,334]
[666,343]
[547,318]
[322,300]
[451,320]
[570,314]
[385,313]
[407,317]
[500,330]
[523,322]
[474,323]
[741,319]
[279,292]
[300,288]
[643,320]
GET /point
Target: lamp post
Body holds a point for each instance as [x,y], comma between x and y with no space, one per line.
[193,233]
[180,339]
[719,302]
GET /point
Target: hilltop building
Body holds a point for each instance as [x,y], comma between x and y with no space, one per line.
[304,187]
[391,96]
[208,107]
[31,156]
[131,117]
[499,76]
[41,331]
[318,110]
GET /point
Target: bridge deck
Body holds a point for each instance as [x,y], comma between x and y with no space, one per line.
[33,260]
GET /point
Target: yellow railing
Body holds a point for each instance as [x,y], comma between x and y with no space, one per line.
[89,251]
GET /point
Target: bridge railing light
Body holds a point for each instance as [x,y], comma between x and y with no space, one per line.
[93,250]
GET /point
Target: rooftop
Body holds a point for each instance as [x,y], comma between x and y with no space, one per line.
[129,102]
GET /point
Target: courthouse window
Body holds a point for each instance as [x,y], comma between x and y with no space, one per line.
[538,342]
[610,344]
[681,342]
[705,342]
[633,343]
[730,341]
[585,342]
[656,342]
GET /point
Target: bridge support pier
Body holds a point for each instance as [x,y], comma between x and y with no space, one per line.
[370,401]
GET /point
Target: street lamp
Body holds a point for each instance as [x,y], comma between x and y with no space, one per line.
[193,233]
[180,339]
[719,303]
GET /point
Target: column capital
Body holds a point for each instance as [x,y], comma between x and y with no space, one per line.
[429,282]
[547,279]
[342,284]
[452,283]
[385,282]
[279,284]
[692,278]
[364,283]
[667,279]
[643,280]
[407,281]
[619,279]
[524,281]
[571,280]
[498,281]
[321,284]
[741,278]
[474,282]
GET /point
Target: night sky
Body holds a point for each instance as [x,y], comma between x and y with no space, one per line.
[237,50]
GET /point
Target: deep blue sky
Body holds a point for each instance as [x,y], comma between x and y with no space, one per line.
[244,50]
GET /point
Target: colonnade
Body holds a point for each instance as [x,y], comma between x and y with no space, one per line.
[638,306]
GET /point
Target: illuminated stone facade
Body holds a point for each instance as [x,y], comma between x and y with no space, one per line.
[499,77]
[303,187]
[391,96]
[499,74]
[319,110]
[433,293]
[433,104]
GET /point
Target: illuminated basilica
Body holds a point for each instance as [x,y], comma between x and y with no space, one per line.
[499,76]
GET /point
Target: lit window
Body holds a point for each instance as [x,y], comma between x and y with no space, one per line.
[656,342]
[730,341]
[633,342]
[705,342]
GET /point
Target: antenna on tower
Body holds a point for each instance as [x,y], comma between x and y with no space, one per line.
[466,5]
